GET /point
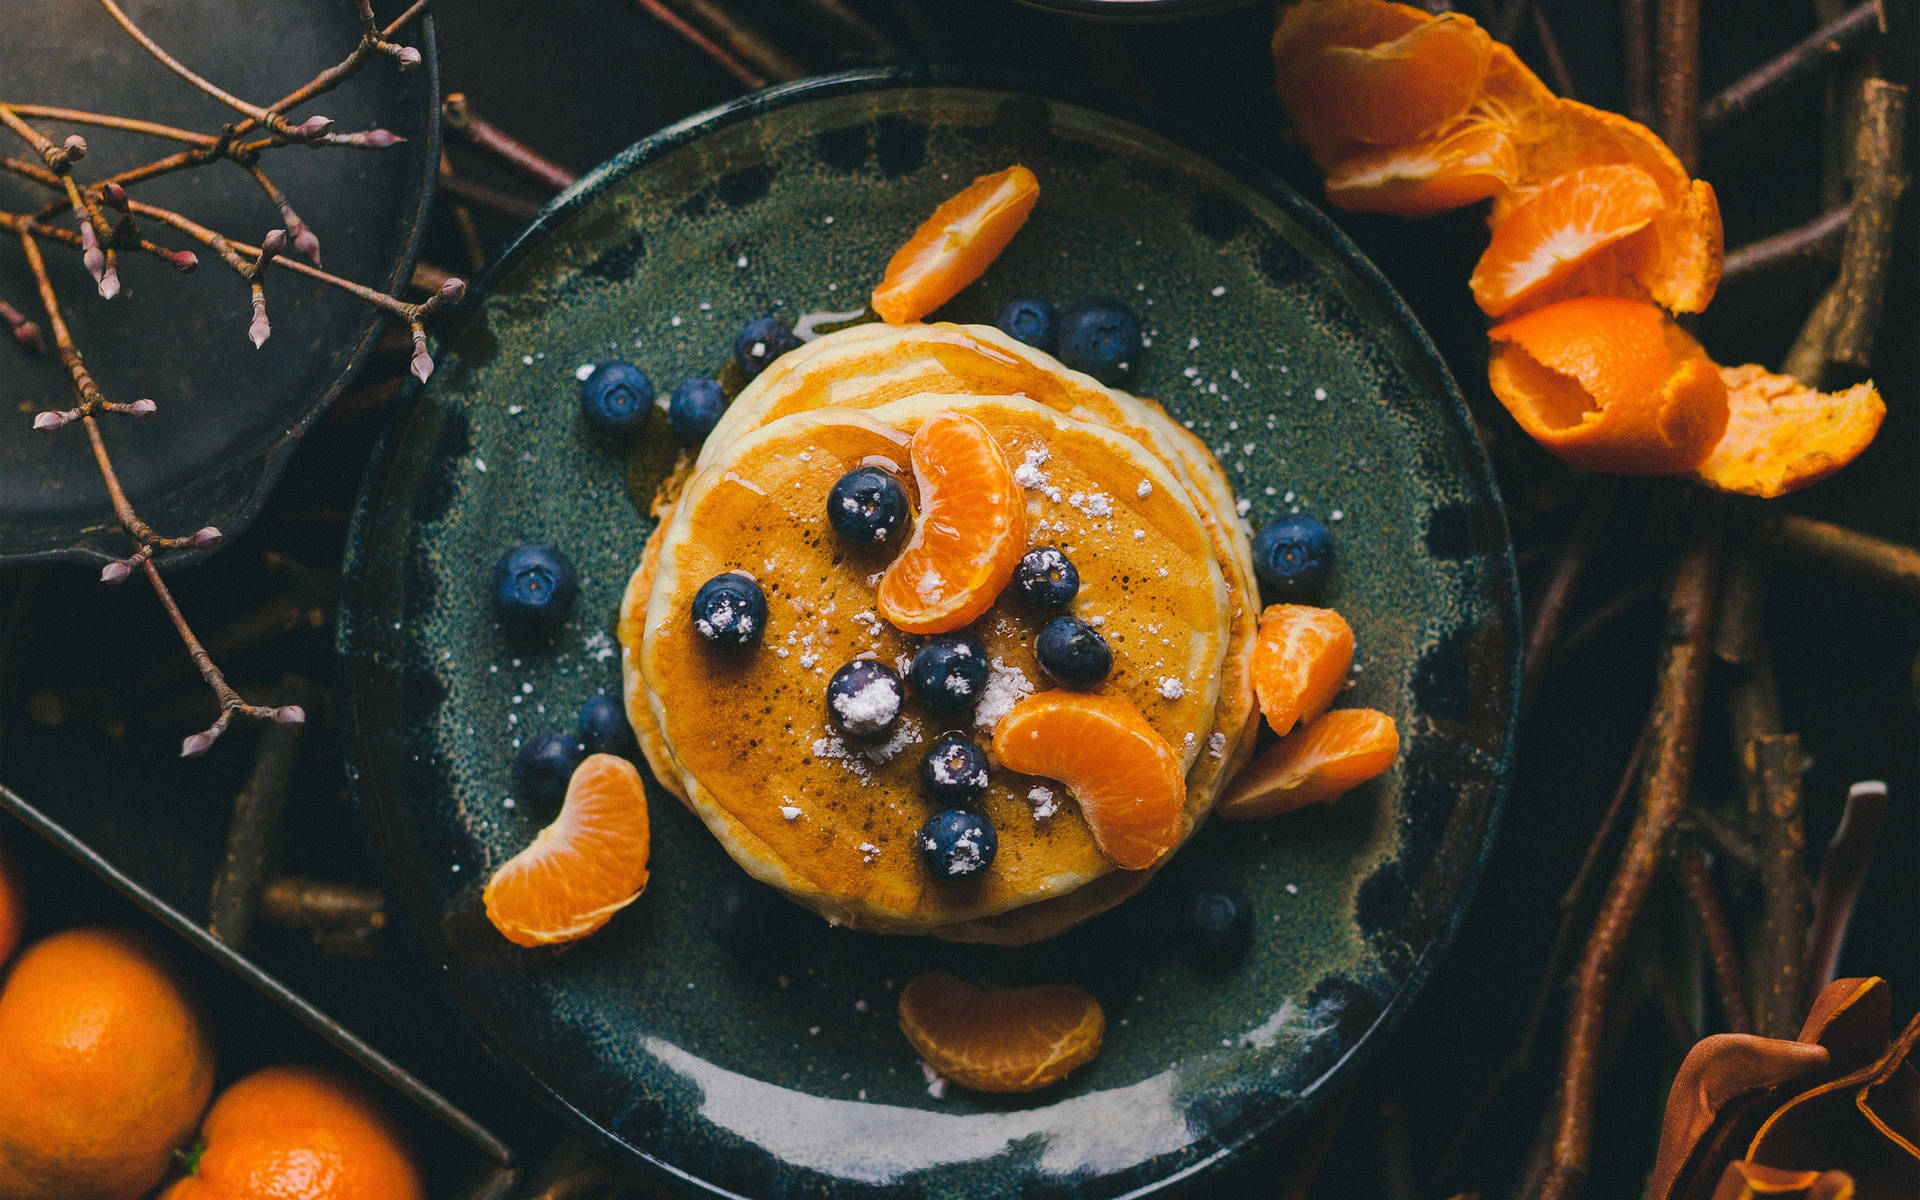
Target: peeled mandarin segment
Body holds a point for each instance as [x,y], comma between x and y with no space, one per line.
[1010,1040]
[954,246]
[1610,385]
[1300,662]
[580,870]
[1577,219]
[1127,781]
[1782,435]
[1301,38]
[1321,761]
[970,534]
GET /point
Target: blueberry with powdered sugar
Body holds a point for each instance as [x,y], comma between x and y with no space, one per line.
[864,698]
[949,673]
[957,844]
[730,610]
[1047,578]
[867,506]
[954,771]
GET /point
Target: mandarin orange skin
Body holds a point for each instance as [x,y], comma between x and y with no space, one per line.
[105,1067]
[13,908]
[298,1133]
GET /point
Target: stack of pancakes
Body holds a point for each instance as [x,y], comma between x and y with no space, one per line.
[743,737]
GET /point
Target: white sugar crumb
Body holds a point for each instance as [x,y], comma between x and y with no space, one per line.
[1336,515]
[514,410]
[1163,572]
[582,371]
[873,705]
[1171,688]
[1216,744]
[1243,506]
[1193,343]
[1029,475]
[936,1082]
[927,587]
[904,734]
[1319,393]
[1145,489]
[1186,743]
[1219,291]
[741,261]
[1139,535]
[1045,802]
[1293,889]
[598,646]
[868,853]
[790,812]
[1005,687]
[480,464]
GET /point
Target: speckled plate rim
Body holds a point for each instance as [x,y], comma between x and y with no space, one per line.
[1475,464]
[273,461]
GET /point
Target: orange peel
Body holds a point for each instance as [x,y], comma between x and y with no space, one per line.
[1610,385]
[1782,436]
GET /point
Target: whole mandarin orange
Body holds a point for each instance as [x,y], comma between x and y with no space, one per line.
[13,907]
[104,1068]
[298,1133]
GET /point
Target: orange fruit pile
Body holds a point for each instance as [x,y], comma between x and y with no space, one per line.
[1413,114]
[1128,782]
[969,535]
[297,1133]
[580,870]
[1001,1040]
[1300,661]
[105,1067]
[955,245]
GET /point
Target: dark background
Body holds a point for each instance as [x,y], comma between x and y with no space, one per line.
[94,694]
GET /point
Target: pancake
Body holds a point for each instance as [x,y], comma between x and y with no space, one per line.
[864,366]
[746,735]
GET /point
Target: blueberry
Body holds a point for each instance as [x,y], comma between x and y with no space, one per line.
[1047,578]
[763,340]
[864,698]
[949,672]
[730,610]
[545,763]
[1031,320]
[533,585]
[1099,336]
[603,727]
[617,398]
[1293,556]
[955,771]
[694,409]
[1216,927]
[1073,652]
[867,506]
[957,844]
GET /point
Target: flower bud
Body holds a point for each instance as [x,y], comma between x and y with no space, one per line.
[196,744]
[141,408]
[206,536]
[75,146]
[115,572]
[290,714]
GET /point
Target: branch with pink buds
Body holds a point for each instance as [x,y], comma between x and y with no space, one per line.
[97,238]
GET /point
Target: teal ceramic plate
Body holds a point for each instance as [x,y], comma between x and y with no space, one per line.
[783,1074]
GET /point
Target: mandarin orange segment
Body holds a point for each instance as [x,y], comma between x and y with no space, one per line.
[969,535]
[1126,779]
[1301,39]
[1300,661]
[580,870]
[1574,223]
[1470,161]
[1320,761]
[1611,385]
[955,245]
[1000,1040]
[1782,435]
